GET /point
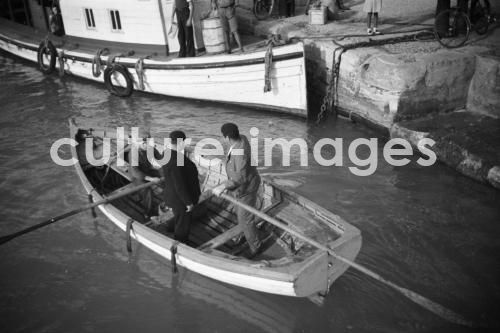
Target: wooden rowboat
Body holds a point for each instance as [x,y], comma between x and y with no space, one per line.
[285,266]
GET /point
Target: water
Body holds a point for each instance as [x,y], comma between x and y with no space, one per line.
[428,229]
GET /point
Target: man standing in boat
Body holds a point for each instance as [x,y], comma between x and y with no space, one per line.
[184,11]
[181,188]
[243,181]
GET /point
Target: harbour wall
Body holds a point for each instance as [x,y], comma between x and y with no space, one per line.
[411,89]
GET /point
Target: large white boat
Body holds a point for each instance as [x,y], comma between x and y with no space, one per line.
[126,45]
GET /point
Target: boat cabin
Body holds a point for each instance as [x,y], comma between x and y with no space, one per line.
[124,24]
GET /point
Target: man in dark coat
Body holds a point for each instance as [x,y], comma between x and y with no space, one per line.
[181,187]
[184,11]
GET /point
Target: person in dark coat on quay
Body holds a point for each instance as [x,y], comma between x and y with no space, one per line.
[184,10]
[181,187]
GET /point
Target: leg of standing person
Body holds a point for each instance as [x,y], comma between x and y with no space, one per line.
[190,42]
[369,23]
[182,224]
[247,222]
[233,27]
[225,28]
[375,24]
[442,23]
[181,33]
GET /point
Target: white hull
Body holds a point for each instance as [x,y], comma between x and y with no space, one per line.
[237,78]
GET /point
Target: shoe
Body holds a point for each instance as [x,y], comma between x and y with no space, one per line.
[376,32]
[253,253]
[239,240]
[369,31]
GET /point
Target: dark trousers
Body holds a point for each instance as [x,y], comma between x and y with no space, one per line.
[182,223]
[286,8]
[442,24]
[185,34]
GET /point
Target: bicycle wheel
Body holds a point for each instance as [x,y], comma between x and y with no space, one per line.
[481,25]
[452,28]
[263,8]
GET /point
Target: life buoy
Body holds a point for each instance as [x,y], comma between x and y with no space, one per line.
[46,48]
[118,90]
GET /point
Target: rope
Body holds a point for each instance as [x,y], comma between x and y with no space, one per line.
[61,63]
[129,237]
[139,69]
[268,60]
[111,59]
[96,62]
[173,251]
[91,200]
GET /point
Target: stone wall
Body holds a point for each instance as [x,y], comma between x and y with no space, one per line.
[484,92]
[385,88]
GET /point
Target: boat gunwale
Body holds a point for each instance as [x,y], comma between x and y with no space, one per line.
[286,273]
[130,62]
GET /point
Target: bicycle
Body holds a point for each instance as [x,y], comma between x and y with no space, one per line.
[262,9]
[452,27]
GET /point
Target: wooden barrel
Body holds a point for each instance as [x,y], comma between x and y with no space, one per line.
[317,15]
[213,35]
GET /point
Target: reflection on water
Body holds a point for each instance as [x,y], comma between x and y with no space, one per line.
[425,228]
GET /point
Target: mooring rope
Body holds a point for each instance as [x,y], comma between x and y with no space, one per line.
[173,252]
[139,69]
[268,60]
[61,63]
[129,236]
[96,62]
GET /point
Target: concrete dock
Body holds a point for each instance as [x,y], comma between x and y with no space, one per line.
[403,82]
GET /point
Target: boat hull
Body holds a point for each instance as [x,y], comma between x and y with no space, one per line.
[235,79]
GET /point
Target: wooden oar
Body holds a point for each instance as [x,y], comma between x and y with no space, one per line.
[420,300]
[115,195]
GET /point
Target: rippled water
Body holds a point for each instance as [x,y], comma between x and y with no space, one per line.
[425,228]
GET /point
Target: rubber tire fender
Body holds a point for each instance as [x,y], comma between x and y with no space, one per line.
[42,48]
[121,92]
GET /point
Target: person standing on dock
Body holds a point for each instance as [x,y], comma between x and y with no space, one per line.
[181,188]
[184,10]
[372,8]
[243,182]
[227,15]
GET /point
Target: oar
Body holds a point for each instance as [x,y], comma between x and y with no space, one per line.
[115,195]
[420,300]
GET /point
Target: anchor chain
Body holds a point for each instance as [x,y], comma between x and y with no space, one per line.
[331,95]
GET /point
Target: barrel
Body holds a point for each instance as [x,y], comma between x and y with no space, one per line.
[317,15]
[213,35]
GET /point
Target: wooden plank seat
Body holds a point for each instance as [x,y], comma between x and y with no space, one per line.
[222,238]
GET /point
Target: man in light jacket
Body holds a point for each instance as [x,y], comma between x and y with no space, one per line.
[243,182]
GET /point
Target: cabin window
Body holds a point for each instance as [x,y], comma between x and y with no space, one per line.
[89,16]
[116,23]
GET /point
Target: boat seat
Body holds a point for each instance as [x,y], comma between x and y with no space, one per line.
[222,238]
